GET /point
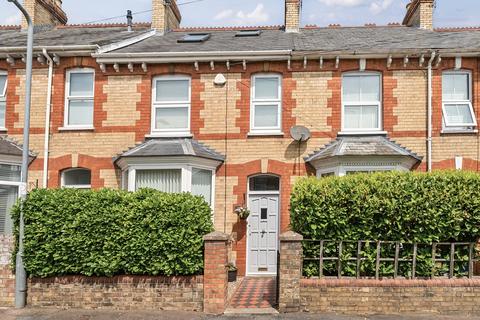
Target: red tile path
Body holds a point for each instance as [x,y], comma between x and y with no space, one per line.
[255,293]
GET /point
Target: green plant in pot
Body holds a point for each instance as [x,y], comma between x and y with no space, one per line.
[242,212]
[232,272]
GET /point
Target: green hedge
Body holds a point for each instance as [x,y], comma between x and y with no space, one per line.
[395,206]
[110,232]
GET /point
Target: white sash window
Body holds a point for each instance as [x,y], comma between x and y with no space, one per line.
[79,99]
[266,104]
[3,98]
[361,102]
[457,105]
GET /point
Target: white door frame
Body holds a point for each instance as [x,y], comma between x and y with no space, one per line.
[264,193]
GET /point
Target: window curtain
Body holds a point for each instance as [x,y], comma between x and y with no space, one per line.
[202,184]
[163,180]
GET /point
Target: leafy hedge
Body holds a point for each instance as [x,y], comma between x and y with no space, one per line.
[110,232]
[395,206]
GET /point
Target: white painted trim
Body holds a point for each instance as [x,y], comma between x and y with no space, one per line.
[125,43]
[266,102]
[378,103]
[4,93]
[68,98]
[179,132]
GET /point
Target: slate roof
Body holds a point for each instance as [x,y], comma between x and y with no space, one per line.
[361,146]
[366,39]
[166,147]
[11,148]
[70,36]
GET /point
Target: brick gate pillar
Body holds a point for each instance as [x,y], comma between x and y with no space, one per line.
[215,279]
[290,272]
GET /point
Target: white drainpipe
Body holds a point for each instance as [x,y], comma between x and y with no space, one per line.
[47,118]
[430,120]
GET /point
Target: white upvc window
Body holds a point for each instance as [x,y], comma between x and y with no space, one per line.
[266,104]
[79,97]
[198,180]
[3,98]
[171,106]
[77,178]
[457,105]
[361,102]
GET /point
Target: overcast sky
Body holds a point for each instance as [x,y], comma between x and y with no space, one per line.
[264,12]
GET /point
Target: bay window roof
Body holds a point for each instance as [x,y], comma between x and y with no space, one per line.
[12,150]
[172,147]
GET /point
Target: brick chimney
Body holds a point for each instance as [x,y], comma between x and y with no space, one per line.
[420,14]
[165,15]
[293,9]
[44,12]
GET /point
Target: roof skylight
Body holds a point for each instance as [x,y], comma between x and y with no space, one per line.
[195,37]
[248,33]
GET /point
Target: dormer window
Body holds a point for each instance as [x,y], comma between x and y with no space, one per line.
[195,37]
[458,114]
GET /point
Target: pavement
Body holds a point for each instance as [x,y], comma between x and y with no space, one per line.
[58,314]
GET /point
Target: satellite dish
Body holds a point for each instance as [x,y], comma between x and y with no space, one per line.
[220,80]
[300,133]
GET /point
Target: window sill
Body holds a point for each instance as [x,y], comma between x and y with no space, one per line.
[66,129]
[362,133]
[266,133]
[3,130]
[170,135]
[447,131]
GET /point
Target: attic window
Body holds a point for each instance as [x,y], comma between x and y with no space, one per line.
[195,37]
[248,33]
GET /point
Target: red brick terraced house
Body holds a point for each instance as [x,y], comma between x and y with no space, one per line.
[210,110]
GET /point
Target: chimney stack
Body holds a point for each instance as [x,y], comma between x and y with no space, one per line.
[44,12]
[165,15]
[420,14]
[293,10]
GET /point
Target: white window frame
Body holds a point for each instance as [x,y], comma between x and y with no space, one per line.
[180,132]
[459,126]
[378,103]
[186,182]
[75,186]
[68,99]
[3,98]
[254,102]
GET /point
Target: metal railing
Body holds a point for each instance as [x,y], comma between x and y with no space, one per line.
[437,257]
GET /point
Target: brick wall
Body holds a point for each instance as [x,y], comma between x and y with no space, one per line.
[121,293]
[7,278]
[368,297]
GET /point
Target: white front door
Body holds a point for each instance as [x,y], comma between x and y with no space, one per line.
[263,234]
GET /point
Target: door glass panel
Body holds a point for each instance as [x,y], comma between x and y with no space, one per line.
[264,183]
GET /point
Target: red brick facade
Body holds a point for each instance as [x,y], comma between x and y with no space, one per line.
[246,155]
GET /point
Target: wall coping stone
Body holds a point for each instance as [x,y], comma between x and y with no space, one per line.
[291,236]
[216,236]
[475,282]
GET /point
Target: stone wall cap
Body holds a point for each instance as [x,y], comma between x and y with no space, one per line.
[216,236]
[291,236]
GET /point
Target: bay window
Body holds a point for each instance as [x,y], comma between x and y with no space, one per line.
[172,178]
[79,99]
[171,106]
[266,104]
[9,186]
[457,106]
[361,102]
[3,98]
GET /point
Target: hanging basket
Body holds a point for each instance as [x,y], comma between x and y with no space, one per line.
[242,213]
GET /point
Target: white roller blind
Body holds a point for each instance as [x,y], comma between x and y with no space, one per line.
[163,180]
[202,184]
[8,196]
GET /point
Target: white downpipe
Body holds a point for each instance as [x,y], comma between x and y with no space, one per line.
[430,120]
[46,149]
